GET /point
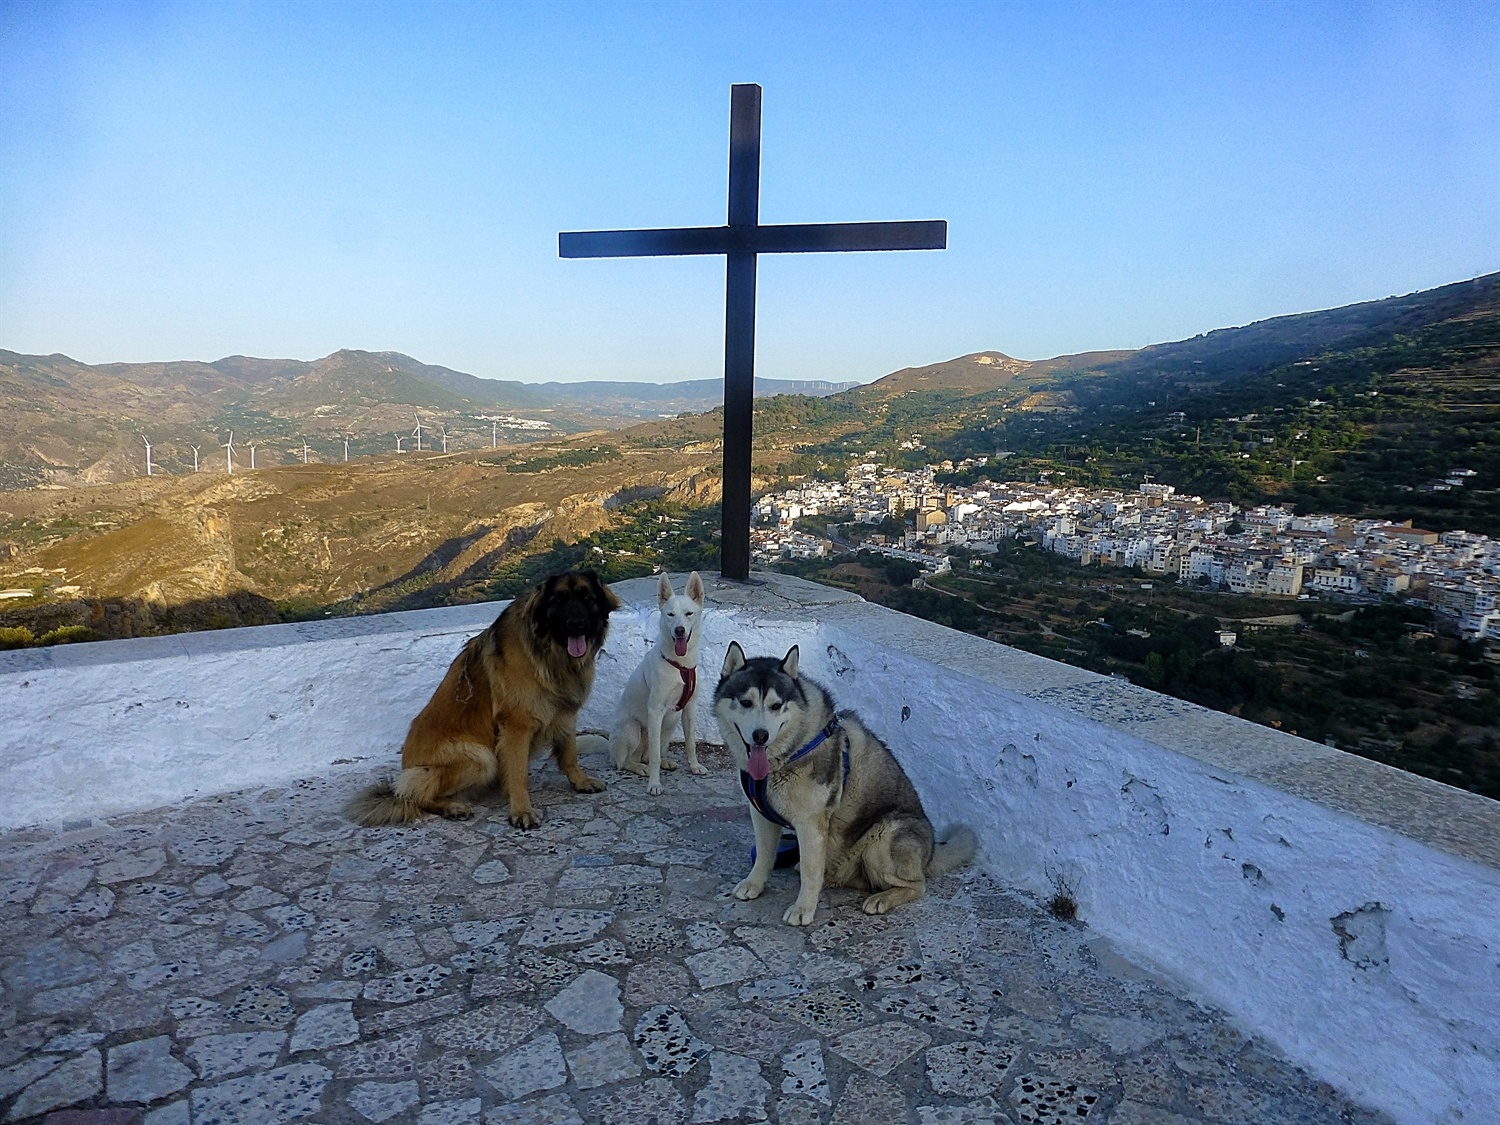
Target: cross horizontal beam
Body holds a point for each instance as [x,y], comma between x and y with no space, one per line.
[790,238]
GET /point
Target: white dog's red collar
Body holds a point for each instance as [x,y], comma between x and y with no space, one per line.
[689,682]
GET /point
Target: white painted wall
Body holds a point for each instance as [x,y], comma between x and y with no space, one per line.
[119,726]
[116,726]
[1233,886]
[1348,913]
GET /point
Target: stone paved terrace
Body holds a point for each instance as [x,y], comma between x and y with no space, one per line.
[254,957]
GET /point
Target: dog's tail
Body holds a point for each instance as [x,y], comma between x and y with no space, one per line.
[953,852]
[592,742]
[381,805]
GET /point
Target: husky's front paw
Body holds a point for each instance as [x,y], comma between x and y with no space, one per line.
[887,900]
[800,913]
[654,787]
[749,888]
[698,770]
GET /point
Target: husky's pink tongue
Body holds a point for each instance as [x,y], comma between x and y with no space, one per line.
[577,646]
[760,765]
[680,644]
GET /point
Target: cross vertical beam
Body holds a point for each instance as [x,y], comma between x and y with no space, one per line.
[740,241]
[739,333]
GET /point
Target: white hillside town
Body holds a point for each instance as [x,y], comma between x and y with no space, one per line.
[1265,550]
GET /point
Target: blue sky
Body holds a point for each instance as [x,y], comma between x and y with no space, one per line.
[192,180]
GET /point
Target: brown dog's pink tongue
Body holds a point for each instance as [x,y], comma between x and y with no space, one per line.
[577,646]
[760,765]
[680,644]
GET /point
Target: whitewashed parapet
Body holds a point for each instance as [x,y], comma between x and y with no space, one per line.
[1348,912]
[92,730]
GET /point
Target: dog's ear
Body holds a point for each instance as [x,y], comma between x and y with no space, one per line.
[789,662]
[734,659]
[694,587]
[664,591]
[608,600]
[537,600]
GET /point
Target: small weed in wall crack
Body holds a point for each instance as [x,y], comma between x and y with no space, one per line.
[1062,905]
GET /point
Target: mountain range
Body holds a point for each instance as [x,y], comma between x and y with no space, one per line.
[1209,359]
[1361,410]
[78,423]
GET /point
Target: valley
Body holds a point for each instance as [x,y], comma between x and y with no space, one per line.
[1365,411]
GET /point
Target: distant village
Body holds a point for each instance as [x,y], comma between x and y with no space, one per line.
[1265,551]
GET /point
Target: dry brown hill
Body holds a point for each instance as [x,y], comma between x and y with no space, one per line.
[316,533]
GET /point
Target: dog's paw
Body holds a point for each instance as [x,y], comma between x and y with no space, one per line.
[654,787]
[799,915]
[456,810]
[698,770]
[587,784]
[748,888]
[668,765]
[885,901]
[525,819]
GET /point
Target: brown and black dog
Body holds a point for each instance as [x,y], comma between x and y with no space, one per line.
[512,694]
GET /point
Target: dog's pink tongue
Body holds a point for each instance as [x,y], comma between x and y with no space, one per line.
[577,646]
[760,764]
[680,644]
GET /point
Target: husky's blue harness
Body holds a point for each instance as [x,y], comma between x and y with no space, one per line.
[756,791]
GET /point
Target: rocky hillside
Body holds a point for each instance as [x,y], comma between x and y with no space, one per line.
[372,531]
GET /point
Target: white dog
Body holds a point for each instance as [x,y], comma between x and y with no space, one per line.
[661,690]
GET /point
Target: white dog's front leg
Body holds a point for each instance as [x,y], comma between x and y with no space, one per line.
[813,853]
[690,743]
[767,838]
[653,757]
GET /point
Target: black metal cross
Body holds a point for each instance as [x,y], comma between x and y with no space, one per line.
[740,241]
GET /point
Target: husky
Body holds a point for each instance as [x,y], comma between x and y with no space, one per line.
[821,772]
[660,692]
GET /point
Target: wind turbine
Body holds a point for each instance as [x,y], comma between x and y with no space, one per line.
[346,448]
[195,458]
[147,440]
[418,431]
[228,448]
[494,432]
[304,451]
[444,426]
[252,455]
[399,440]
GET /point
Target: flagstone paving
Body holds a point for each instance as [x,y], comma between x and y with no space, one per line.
[256,958]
